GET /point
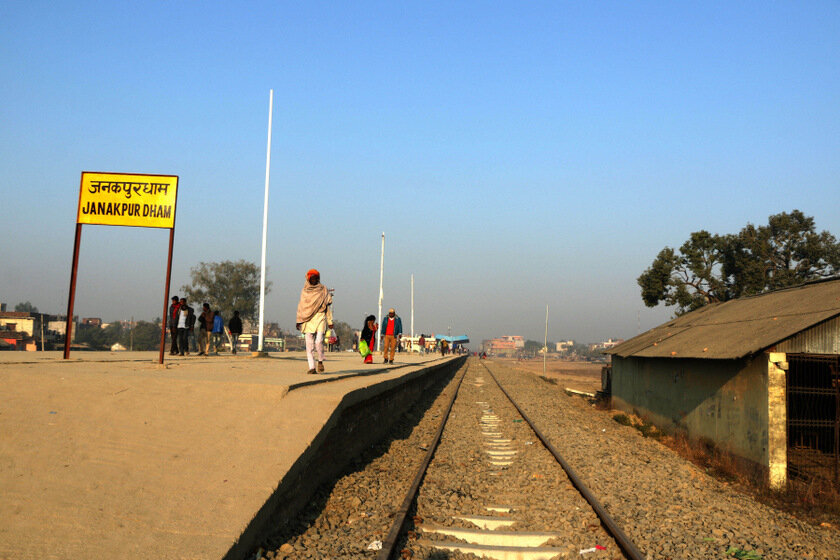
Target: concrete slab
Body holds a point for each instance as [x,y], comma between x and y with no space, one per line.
[110,455]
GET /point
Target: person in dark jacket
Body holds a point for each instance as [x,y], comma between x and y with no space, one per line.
[392,332]
[235,328]
[173,324]
[186,320]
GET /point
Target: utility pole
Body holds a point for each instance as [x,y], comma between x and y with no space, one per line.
[545,342]
[412,306]
[379,311]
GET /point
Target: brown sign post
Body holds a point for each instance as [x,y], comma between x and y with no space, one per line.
[124,199]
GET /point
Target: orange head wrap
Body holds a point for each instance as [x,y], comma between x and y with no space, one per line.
[312,272]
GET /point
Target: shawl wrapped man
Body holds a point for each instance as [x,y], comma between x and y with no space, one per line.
[314,299]
[313,315]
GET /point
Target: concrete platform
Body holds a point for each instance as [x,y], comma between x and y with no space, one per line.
[110,455]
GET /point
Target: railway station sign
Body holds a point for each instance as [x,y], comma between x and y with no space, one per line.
[122,199]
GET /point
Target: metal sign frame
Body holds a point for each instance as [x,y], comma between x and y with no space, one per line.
[124,189]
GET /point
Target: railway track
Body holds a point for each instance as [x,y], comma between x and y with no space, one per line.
[516,498]
[672,509]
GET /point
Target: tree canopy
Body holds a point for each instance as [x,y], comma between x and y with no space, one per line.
[26,307]
[227,286]
[710,268]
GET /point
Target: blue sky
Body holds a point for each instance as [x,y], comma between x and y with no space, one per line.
[516,155]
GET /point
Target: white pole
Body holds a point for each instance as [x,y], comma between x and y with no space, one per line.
[545,342]
[379,311]
[265,219]
[412,306]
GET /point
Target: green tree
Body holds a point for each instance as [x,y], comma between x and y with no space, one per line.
[712,268]
[227,286]
[532,347]
[344,333]
[142,336]
[689,279]
[26,308]
[98,338]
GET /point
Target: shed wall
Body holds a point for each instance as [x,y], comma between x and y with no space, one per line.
[722,400]
[823,338]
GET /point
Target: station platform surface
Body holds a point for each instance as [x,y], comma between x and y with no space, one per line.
[111,455]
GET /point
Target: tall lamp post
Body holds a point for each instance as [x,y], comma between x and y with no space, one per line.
[265,224]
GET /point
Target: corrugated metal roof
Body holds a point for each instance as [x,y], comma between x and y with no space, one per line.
[740,327]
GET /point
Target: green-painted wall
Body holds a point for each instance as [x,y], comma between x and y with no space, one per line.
[722,400]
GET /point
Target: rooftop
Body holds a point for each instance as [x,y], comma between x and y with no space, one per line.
[740,327]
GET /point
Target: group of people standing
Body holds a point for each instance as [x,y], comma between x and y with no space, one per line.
[211,328]
[391,332]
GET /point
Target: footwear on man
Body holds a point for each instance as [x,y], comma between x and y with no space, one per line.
[311,372]
[320,367]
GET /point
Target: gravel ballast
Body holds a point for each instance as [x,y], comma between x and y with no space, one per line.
[670,508]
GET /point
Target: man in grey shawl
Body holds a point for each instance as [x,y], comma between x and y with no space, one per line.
[314,314]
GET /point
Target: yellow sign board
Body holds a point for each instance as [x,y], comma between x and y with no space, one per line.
[124,199]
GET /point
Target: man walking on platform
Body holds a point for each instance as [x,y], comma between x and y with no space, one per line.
[314,315]
[392,331]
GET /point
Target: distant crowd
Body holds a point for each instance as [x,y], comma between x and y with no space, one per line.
[211,329]
[314,320]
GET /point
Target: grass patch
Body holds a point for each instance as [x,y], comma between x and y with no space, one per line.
[623,419]
[816,501]
[643,426]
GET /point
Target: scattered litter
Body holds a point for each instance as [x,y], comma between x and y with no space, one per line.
[424,447]
[529,443]
[595,548]
[375,545]
[741,554]
[603,429]
[53,412]
[826,525]
[517,420]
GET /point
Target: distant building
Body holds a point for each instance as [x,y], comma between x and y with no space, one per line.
[506,346]
[18,328]
[91,321]
[563,346]
[58,325]
[606,344]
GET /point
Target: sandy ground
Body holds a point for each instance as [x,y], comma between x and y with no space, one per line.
[581,376]
[110,455]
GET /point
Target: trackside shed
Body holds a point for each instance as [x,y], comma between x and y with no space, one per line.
[758,376]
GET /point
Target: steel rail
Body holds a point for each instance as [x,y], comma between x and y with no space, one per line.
[623,541]
[399,519]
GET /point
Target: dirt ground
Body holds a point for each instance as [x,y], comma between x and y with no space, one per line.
[581,376]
